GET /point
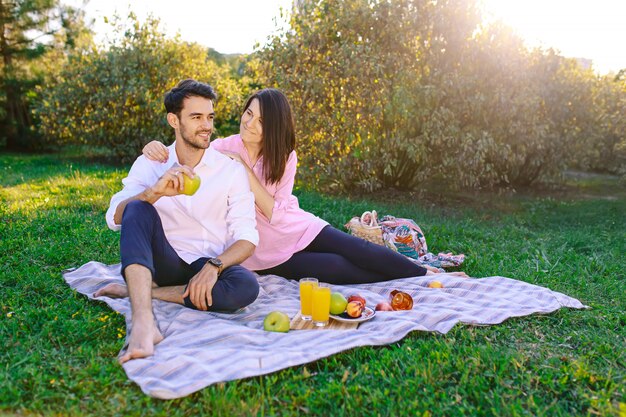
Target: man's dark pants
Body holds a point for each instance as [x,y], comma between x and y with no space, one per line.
[143,242]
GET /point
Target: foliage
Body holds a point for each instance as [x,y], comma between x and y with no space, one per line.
[113,96]
[607,149]
[30,30]
[59,347]
[395,93]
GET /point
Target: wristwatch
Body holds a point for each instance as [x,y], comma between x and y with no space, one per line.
[216,262]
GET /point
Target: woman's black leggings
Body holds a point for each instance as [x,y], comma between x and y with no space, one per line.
[336,257]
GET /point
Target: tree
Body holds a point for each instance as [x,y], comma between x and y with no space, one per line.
[393,93]
[360,76]
[112,96]
[29,29]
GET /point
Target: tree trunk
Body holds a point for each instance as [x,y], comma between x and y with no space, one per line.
[14,107]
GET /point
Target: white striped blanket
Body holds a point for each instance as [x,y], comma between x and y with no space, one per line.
[203,348]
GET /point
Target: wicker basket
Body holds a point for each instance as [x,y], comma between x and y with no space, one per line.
[366,227]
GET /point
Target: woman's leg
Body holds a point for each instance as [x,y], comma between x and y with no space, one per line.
[327,267]
[364,254]
[338,258]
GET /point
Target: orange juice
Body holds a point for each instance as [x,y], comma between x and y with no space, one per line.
[321,305]
[306,296]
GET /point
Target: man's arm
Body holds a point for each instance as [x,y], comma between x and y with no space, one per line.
[241,214]
[241,225]
[170,184]
[200,288]
[236,253]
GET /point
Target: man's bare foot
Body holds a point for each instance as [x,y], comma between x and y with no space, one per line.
[112,291]
[144,335]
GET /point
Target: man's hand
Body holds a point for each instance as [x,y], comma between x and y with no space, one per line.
[200,287]
[171,183]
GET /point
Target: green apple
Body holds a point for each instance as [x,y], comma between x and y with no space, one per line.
[276,321]
[338,303]
[190,185]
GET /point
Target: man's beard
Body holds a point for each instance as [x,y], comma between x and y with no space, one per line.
[188,139]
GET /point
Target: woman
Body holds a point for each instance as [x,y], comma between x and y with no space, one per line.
[294,243]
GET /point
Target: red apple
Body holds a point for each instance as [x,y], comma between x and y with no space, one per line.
[357,297]
[354,309]
[384,306]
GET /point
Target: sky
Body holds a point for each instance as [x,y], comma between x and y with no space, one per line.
[592,29]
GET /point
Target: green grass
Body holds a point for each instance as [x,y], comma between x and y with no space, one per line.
[58,355]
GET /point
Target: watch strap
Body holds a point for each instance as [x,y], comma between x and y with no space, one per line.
[216,262]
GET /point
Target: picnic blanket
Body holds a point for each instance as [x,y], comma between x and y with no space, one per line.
[203,348]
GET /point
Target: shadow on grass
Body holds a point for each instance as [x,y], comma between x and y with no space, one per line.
[576,186]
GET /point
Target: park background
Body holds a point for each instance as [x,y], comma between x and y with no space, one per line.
[386,93]
[512,154]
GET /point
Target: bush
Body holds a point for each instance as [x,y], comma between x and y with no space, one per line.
[113,97]
[392,94]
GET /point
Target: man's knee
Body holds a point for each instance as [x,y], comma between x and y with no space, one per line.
[137,210]
[237,291]
[244,289]
[249,290]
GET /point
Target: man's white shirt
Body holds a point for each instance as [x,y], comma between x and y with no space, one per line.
[207,223]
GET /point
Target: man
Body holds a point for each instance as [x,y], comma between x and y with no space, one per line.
[180,248]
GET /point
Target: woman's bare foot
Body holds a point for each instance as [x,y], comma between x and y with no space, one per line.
[112,291]
[433,269]
[144,335]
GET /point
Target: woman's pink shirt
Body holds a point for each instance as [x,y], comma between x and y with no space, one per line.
[291,228]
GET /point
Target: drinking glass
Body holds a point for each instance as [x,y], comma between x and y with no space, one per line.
[321,305]
[306,296]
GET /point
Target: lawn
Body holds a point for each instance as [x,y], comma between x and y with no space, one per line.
[59,348]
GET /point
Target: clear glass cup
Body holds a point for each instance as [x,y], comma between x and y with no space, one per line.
[321,305]
[306,297]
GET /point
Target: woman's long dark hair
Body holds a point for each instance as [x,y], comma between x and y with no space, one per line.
[279,136]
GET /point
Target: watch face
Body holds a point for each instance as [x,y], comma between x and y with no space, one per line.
[215,261]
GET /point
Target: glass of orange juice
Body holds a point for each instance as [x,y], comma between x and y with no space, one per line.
[321,305]
[306,297]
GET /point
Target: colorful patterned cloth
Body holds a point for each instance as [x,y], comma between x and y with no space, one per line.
[442,260]
[406,237]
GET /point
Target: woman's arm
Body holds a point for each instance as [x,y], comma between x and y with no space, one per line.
[263,199]
[272,206]
[156,151]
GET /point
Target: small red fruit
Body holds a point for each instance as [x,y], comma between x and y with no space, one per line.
[357,297]
[354,309]
[384,306]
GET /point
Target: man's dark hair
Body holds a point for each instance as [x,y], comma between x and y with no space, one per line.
[184,89]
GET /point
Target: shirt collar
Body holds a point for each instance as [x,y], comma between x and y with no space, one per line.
[173,157]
